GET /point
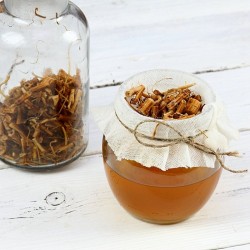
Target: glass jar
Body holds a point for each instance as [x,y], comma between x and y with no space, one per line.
[156,196]
[44,82]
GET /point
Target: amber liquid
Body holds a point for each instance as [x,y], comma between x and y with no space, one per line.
[157,196]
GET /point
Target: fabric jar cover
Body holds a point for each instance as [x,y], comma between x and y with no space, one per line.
[124,144]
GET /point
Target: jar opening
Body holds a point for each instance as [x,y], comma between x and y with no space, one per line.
[29,9]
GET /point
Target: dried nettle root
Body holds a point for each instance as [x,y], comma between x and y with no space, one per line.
[41,120]
[176,103]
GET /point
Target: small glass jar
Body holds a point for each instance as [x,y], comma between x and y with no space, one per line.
[156,196]
[163,166]
[44,82]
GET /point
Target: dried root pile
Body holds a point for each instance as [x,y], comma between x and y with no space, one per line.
[176,103]
[41,120]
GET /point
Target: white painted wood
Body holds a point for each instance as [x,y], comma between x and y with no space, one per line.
[130,36]
[141,12]
[90,217]
[241,247]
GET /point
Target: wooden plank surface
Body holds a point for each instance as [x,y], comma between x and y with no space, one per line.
[131,36]
[90,217]
[73,208]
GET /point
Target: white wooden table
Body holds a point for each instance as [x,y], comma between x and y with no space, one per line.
[73,208]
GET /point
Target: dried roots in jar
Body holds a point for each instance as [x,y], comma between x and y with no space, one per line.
[41,120]
[176,103]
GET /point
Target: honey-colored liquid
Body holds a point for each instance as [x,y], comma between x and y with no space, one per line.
[158,196]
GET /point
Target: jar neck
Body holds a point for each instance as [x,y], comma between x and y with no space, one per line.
[28,9]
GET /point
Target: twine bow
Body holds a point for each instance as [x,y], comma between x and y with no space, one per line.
[190,140]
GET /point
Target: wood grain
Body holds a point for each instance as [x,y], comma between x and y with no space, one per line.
[87,212]
[132,36]
[90,216]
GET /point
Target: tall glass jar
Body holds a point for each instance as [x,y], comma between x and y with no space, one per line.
[44,82]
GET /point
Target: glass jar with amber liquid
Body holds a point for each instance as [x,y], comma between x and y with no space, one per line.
[156,196]
[163,145]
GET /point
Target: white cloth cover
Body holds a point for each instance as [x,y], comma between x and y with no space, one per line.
[124,144]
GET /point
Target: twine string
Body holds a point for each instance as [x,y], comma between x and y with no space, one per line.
[190,140]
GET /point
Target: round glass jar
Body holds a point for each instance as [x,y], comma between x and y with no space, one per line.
[156,196]
[44,83]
